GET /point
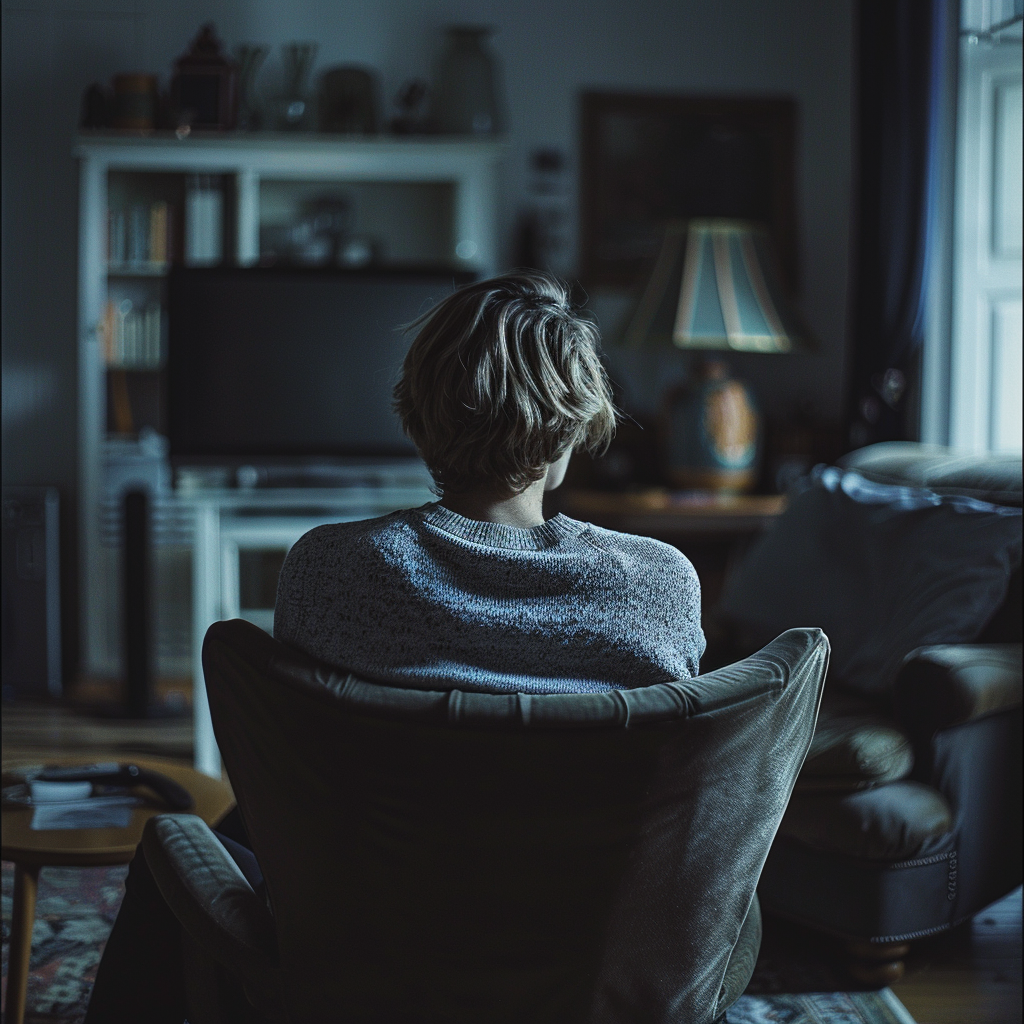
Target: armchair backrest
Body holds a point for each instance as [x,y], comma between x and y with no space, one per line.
[465,856]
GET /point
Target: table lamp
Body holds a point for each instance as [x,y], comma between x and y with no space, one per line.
[712,289]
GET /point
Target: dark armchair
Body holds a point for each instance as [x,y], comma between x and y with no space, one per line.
[906,818]
[463,856]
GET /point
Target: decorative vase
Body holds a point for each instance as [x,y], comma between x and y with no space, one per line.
[347,101]
[712,433]
[292,107]
[135,101]
[466,96]
[250,60]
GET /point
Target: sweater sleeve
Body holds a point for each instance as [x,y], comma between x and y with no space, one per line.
[674,587]
[297,589]
[661,600]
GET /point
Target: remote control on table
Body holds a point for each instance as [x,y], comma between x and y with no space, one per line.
[111,773]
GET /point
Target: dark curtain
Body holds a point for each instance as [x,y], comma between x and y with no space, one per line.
[901,52]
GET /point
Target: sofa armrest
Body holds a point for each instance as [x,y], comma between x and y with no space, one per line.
[948,684]
[214,903]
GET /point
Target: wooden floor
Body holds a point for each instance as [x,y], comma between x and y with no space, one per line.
[969,976]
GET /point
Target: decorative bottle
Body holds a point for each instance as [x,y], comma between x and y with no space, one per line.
[467,95]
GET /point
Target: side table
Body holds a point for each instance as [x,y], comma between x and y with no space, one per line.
[93,847]
[673,516]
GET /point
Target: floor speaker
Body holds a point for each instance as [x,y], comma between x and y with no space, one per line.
[31,592]
[138,646]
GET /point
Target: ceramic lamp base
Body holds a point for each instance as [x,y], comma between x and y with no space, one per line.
[712,433]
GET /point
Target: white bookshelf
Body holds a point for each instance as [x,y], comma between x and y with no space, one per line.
[425,200]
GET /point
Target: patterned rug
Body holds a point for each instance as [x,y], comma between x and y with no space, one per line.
[75,909]
[795,981]
[820,1008]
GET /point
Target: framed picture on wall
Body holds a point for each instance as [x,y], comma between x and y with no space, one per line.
[649,159]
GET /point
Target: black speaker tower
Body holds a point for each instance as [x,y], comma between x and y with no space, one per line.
[137,642]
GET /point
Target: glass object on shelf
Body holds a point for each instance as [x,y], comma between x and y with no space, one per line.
[131,335]
[204,221]
[250,60]
[293,243]
[411,119]
[466,96]
[291,110]
[358,252]
[322,236]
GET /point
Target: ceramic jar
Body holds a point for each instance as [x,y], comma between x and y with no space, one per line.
[135,101]
[467,95]
[712,433]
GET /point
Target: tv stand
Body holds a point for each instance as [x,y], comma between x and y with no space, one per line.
[322,474]
[228,520]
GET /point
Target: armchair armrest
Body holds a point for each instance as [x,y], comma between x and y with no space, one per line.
[215,904]
[949,684]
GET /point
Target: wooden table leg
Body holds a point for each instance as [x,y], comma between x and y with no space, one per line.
[23,915]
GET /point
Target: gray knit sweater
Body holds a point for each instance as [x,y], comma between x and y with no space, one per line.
[426,598]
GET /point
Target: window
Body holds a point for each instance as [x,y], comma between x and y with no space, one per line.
[984,389]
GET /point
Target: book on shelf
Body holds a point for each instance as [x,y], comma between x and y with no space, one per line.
[116,237]
[159,251]
[140,237]
[132,336]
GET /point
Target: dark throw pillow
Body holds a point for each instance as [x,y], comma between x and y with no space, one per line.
[882,569]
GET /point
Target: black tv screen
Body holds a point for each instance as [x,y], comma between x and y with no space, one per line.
[270,363]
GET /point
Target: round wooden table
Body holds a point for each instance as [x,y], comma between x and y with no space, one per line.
[88,847]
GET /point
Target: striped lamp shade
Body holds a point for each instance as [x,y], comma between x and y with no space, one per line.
[712,288]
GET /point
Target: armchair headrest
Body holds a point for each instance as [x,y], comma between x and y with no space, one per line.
[795,652]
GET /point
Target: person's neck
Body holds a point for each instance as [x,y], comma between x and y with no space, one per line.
[525,509]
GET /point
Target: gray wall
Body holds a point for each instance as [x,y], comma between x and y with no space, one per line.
[53,48]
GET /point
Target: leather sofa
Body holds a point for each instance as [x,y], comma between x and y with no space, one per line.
[906,818]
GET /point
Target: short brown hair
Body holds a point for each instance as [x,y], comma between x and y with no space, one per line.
[502,379]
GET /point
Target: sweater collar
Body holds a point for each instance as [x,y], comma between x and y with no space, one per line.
[497,535]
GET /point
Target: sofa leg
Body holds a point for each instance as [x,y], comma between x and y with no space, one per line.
[876,963]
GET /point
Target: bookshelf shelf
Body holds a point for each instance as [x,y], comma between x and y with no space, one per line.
[417,199]
[137,269]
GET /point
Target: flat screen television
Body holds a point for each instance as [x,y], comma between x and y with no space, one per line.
[273,364]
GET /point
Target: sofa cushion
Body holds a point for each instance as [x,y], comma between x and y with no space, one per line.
[899,821]
[855,745]
[947,684]
[994,477]
[882,569]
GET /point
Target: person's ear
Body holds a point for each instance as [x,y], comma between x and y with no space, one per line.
[556,472]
